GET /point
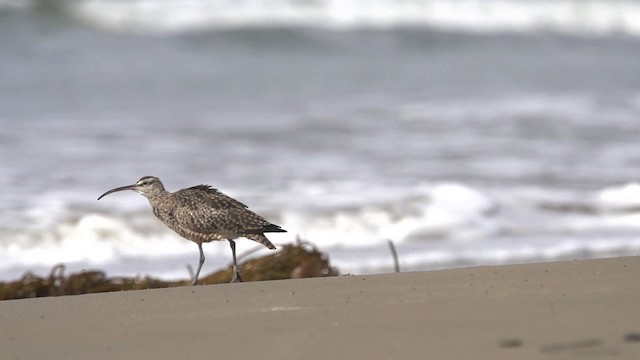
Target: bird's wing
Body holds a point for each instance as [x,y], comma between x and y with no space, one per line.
[213,197]
[208,211]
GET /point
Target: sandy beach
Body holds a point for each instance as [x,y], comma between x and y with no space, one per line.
[572,309]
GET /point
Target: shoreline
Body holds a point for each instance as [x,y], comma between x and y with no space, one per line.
[560,309]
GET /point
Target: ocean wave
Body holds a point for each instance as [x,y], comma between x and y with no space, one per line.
[507,250]
[575,109]
[439,212]
[595,17]
[16,4]
[433,225]
[350,216]
[621,198]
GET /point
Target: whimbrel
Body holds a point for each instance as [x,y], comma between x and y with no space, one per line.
[203,214]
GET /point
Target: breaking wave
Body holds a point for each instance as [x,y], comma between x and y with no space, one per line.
[577,17]
[433,225]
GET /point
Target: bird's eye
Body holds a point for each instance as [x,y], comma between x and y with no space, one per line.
[145,181]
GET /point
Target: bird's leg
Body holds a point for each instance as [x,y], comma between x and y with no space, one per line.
[195,278]
[236,272]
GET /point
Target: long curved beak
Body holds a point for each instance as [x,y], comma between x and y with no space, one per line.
[128,187]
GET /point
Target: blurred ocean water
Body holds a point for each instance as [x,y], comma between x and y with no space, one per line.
[468,132]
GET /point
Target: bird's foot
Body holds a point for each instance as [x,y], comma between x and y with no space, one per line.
[236,277]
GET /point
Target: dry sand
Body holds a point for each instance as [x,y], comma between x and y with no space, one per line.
[575,309]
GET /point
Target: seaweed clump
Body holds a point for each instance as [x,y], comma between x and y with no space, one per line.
[294,261]
[299,260]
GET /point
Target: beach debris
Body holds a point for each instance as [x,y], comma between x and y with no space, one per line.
[394,254]
[298,260]
[510,343]
[203,214]
[572,345]
[632,337]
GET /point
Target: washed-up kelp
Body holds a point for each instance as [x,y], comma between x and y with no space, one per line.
[299,260]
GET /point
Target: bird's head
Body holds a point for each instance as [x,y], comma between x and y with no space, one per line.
[148,186]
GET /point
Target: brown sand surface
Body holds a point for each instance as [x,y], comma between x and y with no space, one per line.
[587,309]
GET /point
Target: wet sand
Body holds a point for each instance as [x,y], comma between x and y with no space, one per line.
[574,309]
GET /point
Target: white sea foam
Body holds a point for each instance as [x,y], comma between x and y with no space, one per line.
[622,197]
[439,211]
[567,16]
[433,225]
[95,239]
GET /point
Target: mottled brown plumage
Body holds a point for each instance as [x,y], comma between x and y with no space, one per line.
[203,214]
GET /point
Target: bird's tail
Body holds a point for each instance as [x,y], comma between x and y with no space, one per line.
[261,239]
[272,228]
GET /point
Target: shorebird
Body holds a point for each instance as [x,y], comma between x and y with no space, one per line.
[203,214]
